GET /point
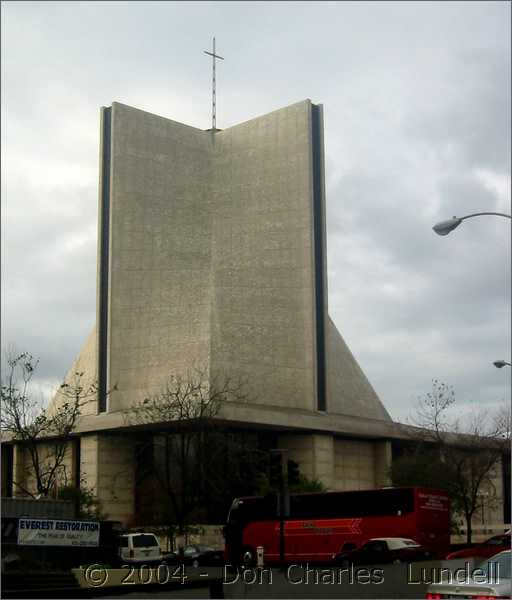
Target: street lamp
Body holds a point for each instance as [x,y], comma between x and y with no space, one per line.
[444,227]
[499,364]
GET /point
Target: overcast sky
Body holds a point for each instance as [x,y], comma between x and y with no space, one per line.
[417,129]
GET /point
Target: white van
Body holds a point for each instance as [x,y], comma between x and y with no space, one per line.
[139,548]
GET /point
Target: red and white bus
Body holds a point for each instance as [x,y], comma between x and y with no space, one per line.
[321,525]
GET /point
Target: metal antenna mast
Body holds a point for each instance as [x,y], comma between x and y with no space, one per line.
[214,99]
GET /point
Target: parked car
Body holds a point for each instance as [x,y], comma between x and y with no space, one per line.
[384,550]
[492,579]
[485,550]
[139,548]
[200,555]
[171,558]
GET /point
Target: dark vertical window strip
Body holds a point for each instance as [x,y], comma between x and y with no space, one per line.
[104,263]
[7,470]
[318,224]
[77,458]
[506,468]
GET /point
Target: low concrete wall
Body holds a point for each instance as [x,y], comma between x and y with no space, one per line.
[385,581]
[144,580]
[377,581]
[209,535]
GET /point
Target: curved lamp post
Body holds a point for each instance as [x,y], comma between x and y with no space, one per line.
[444,227]
[499,364]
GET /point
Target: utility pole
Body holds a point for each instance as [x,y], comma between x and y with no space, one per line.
[281,455]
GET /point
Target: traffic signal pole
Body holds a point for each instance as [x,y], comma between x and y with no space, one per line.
[284,501]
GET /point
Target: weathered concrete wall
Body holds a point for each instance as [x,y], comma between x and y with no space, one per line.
[211,262]
[340,463]
[348,390]
[24,475]
[107,467]
[300,449]
[116,477]
[354,465]
[160,230]
[383,457]
[82,373]
[89,460]
[211,255]
[263,305]
[211,265]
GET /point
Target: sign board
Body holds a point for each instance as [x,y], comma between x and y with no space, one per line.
[433,502]
[55,532]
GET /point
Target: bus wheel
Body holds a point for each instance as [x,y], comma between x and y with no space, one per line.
[248,557]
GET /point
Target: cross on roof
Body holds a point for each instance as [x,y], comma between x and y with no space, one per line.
[214,100]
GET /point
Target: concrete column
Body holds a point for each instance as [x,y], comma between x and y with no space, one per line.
[314,453]
[107,465]
[300,449]
[116,477]
[75,471]
[383,458]
[18,470]
[323,452]
[354,464]
[89,461]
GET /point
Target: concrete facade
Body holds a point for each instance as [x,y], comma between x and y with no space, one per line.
[340,463]
[107,466]
[212,255]
[23,473]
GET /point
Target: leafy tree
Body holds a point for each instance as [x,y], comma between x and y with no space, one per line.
[458,455]
[43,433]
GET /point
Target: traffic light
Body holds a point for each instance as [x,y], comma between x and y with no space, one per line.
[293,472]
[275,473]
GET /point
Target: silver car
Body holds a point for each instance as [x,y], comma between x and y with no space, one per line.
[490,579]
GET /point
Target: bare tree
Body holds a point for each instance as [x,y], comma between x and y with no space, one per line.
[197,460]
[43,433]
[459,454]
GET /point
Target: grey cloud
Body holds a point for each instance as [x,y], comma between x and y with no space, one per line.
[408,301]
[471,125]
[417,101]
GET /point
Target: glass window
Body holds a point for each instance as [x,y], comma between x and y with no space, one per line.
[502,567]
[352,504]
[144,540]
[377,546]
[327,505]
[255,509]
[410,543]
[497,541]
